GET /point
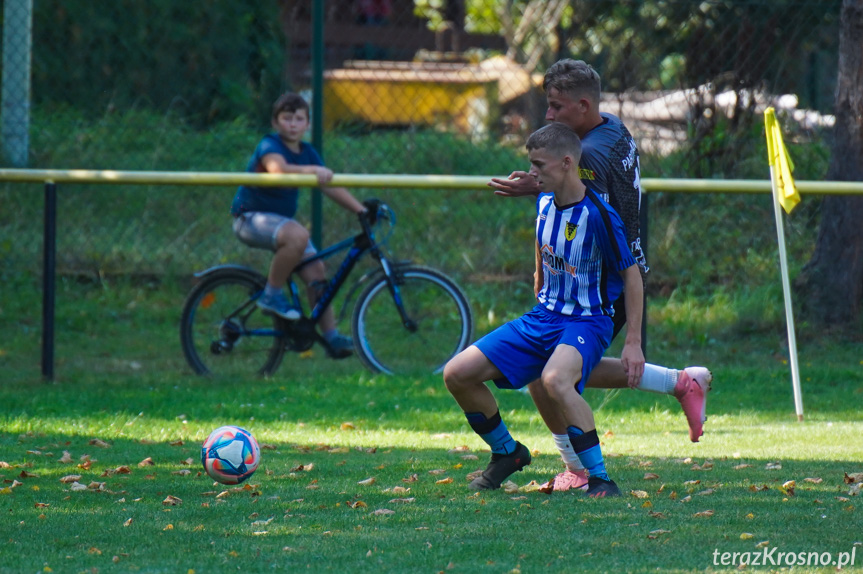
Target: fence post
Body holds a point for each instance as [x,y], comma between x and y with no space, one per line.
[643,224]
[317,110]
[49,264]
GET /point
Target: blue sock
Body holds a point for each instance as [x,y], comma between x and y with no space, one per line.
[586,446]
[271,291]
[493,431]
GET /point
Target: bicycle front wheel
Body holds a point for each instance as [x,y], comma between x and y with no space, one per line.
[222,331]
[437,327]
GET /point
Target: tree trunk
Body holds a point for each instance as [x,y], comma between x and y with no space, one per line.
[831,284]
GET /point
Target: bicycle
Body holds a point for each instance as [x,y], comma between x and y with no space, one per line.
[407,318]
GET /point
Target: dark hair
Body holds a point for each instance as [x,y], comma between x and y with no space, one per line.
[559,139]
[289,102]
[575,78]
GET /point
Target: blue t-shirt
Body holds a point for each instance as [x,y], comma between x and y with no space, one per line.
[583,250]
[280,200]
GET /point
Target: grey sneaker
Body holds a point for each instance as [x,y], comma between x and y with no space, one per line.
[341,346]
[278,305]
[500,467]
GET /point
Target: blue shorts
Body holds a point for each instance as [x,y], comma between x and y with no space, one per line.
[521,348]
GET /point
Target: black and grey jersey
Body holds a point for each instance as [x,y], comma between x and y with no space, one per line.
[609,165]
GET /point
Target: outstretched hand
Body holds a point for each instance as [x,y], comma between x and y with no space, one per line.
[518,184]
[632,359]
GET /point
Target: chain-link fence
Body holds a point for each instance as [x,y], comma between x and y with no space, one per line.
[416,87]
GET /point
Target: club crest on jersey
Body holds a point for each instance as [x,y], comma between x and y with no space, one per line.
[569,230]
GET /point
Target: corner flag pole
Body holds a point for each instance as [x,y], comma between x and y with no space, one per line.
[785,196]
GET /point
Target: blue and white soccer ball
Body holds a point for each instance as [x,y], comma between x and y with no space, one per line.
[230,454]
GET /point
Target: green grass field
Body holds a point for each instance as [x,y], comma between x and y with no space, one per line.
[365,473]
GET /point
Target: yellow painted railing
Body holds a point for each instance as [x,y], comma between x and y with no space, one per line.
[81,176]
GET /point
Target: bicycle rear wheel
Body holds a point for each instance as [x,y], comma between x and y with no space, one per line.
[222,331]
[440,322]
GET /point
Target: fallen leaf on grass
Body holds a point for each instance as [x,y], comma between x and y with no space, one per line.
[367,482]
[639,493]
[410,479]
[147,462]
[654,514]
[654,534]
[66,458]
[446,480]
[357,504]
[755,488]
[531,486]
[706,492]
[741,466]
[119,470]
[42,505]
[169,527]
[788,487]
[403,500]
[704,514]
[773,466]
[346,426]
[70,478]
[182,472]
[813,480]
[383,512]
[763,544]
[510,487]
[746,536]
[472,475]
[178,442]
[96,486]
[99,443]
[470,457]
[77,487]
[172,501]
[706,466]
[437,471]
[691,482]
[128,522]
[852,478]
[650,476]
[25,474]
[461,448]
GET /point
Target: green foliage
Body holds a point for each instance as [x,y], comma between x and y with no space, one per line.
[158,54]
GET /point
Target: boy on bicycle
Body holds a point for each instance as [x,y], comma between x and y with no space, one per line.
[264,216]
[583,263]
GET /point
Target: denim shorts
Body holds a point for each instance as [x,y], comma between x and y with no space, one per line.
[259,229]
[521,348]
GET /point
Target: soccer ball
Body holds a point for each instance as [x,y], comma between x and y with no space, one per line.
[230,454]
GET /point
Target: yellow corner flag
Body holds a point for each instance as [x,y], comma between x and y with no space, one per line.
[780,161]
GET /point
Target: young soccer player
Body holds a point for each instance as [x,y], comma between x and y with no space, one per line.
[610,166]
[583,264]
[264,216]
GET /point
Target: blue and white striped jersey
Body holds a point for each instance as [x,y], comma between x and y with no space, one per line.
[583,249]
